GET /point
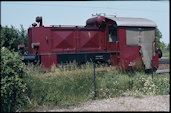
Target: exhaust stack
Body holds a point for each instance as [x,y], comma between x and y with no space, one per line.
[39,20]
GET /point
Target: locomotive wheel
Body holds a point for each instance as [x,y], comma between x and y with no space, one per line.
[149,71]
[154,69]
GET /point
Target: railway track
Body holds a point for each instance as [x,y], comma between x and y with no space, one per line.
[163,71]
[164,61]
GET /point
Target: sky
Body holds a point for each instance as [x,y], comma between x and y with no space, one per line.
[77,12]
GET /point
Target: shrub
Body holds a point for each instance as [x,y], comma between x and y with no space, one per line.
[12,86]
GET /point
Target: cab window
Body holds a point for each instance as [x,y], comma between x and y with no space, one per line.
[112,30]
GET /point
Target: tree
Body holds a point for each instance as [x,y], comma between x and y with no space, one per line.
[168,47]
[12,37]
[159,44]
[158,37]
[24,37]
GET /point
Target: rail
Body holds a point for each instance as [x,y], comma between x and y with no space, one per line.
[164,61]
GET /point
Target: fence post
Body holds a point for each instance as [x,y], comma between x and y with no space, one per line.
[152,68]
[94,82]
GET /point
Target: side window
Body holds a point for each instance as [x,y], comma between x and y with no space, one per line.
[135,36]
[112,30]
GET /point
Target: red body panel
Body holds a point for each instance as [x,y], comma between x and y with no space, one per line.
[63,41]
[48,61]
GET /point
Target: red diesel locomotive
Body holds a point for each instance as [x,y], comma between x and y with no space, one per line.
[125,42]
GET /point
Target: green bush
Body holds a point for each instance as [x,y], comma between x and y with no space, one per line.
[12,86]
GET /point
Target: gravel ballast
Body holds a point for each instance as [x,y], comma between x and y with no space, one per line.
[145,103]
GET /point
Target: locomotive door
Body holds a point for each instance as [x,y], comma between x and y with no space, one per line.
[112,38]
[112,43]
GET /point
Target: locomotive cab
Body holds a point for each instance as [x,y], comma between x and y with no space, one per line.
[137,42]
[131,41]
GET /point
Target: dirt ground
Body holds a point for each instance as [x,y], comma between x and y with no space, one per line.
[146,103]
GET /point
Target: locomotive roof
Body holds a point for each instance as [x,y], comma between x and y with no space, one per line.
[123,21]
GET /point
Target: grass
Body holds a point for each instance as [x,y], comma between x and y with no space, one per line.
[68,86]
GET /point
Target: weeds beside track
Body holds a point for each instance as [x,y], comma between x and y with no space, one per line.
[71,86]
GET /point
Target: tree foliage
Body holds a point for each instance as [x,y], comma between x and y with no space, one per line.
[159,43]
[12,37]
[158,33]
[12,85]
[168,47]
